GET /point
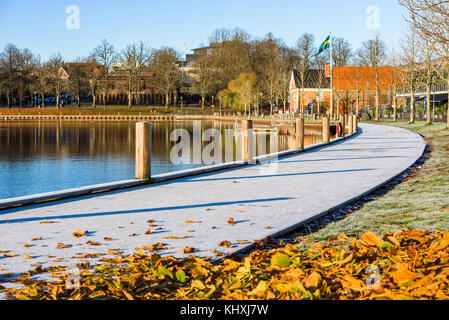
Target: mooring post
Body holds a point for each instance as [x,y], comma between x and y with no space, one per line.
[300,133]
[343,125]
[247,148]
[350,124]
[326,129]
[143,150]
[355,124]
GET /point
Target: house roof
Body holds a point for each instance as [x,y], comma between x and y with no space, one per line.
[364,77]
[348,78]
[313,78]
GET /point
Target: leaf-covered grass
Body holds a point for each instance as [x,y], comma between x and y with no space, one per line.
[420,202]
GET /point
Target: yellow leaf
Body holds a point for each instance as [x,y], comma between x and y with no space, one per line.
[260,290]
[141,251]
[371,239]
[312,280]
[352,283]
[79,233]
[198,285]
[403,273]
[62,246]
[127,295]
[294,274]
[93,243]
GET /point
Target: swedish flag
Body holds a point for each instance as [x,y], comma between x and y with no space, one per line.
[325,45]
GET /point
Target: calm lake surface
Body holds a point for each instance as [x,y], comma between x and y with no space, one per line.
[43,156]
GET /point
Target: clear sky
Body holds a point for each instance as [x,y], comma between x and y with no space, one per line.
[41,25]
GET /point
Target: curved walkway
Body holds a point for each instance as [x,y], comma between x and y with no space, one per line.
[262,200]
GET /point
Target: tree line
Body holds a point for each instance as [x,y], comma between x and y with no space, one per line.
[238,69]
[241,71]
[424,50]
[24,74]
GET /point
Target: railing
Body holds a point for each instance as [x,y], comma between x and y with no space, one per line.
[435,89]
[143,140]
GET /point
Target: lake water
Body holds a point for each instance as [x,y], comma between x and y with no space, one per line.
[43,156]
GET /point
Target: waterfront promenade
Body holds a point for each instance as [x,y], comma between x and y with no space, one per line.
[195,211]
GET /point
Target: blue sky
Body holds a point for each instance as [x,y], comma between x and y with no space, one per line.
[40,25]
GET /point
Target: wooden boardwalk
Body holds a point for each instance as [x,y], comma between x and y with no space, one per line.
[263,200]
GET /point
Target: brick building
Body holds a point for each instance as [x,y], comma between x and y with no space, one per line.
[354,88]
[145,93]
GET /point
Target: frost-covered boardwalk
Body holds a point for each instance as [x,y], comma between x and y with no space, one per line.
[194,211]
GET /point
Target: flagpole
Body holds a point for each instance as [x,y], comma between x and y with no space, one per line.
[331,74]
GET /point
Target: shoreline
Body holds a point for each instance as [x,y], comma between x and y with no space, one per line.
[53,196]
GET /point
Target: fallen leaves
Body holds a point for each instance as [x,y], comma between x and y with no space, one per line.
[226,244]
[93,243]
[177,238]
[408,265]
[62,246]
[188,250]
[79,233]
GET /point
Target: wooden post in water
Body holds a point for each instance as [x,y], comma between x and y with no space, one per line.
[247,148]
[343,125]
[350,124]
[300,133]
[355,124]
[143,150]
[347,117]
[326,129]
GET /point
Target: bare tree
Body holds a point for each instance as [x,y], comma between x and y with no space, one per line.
[129,66]
[42,79]
[409,60]
[397,80]
[93,74]
[106,56]
[203,76]
[135,60]
[77,83]
[287,61]
[231,54]
[166,71]
[373,53]
[269,65]
[430,19]
[305,51]
[10,60]
[320,79]
[358,88]
[30,64]
[341,52]
[426,72]
[55,72]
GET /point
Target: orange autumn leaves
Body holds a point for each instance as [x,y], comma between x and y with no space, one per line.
[408,265]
